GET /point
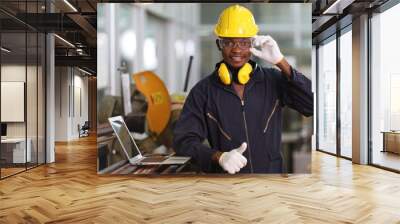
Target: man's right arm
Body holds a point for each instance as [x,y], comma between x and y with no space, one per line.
[191,130]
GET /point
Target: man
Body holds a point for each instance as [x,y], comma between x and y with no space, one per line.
[238,108]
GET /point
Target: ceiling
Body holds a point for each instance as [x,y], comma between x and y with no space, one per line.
[73,20]
[76,23]
[330,15]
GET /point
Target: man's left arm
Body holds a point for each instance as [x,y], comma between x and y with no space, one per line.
[296,88]
[296,91]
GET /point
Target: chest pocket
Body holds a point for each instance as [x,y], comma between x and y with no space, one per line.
[223,132]
[271,115]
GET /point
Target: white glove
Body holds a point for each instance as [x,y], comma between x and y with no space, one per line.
[233,160]
[269,49]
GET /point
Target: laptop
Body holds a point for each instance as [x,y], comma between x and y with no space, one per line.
[133,153]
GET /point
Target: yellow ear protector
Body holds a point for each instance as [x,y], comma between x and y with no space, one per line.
[243,75]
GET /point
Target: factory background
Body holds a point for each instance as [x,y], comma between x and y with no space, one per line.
[162,37]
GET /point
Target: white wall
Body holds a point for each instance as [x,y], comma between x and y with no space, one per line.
[70,83]
[61,103]
[17,73]
[14,73]
[33,126]
[80,83]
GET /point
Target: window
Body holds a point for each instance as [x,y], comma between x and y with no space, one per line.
[385,89]
[346,94]
[327,96]
[22,65]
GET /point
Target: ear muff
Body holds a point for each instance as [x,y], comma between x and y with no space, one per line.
[224,74]
[243,75]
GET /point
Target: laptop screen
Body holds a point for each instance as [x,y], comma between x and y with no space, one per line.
[124,137]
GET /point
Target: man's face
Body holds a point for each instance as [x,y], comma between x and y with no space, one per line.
[235,51]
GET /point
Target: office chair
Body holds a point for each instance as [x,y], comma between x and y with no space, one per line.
[84,130]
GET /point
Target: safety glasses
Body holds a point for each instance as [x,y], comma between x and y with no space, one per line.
[242,43]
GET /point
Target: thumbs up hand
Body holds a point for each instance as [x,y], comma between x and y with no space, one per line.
[233,160]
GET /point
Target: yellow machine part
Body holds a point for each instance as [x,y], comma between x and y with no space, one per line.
[158,99]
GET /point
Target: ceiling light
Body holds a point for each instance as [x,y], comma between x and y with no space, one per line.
[5,50]
[338,6]
[84,71]
[70,5]
[328,10]
[64,40]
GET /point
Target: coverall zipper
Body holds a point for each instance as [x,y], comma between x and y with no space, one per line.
[244,121]
[219,127]
[270,116]
[247,135]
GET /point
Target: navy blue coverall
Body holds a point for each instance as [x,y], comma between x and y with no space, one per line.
[214,111]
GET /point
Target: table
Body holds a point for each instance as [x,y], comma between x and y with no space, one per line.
[13,150]
[391,141]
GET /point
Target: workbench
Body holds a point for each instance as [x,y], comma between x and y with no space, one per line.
[124,167]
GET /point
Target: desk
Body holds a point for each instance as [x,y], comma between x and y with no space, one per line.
[391,141]
[124,167]
[13,150]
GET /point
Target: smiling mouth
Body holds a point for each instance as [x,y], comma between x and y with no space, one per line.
[236,58]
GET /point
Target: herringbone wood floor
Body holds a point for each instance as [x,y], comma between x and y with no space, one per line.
[70,191]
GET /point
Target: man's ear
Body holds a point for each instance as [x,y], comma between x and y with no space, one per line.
[219,47]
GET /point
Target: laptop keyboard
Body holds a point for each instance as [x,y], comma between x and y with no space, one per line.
[153,159]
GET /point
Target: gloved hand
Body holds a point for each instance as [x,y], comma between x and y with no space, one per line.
[233,160]
[269,49]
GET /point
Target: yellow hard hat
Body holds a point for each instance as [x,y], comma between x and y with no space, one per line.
[236,21]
